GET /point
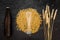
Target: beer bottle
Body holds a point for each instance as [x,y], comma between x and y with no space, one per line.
[7,23]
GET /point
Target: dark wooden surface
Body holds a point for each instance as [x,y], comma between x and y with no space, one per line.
[16,5]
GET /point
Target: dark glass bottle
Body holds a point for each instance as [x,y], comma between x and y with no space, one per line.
[7,23]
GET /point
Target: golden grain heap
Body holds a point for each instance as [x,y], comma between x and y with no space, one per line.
[21,20]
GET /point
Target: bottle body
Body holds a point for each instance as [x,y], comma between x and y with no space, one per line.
[7,23]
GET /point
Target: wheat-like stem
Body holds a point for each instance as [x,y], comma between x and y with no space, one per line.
[48,20]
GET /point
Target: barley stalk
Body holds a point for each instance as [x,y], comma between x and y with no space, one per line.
[55,14]
[48,21]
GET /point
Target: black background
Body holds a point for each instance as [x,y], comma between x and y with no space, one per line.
[16,5]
